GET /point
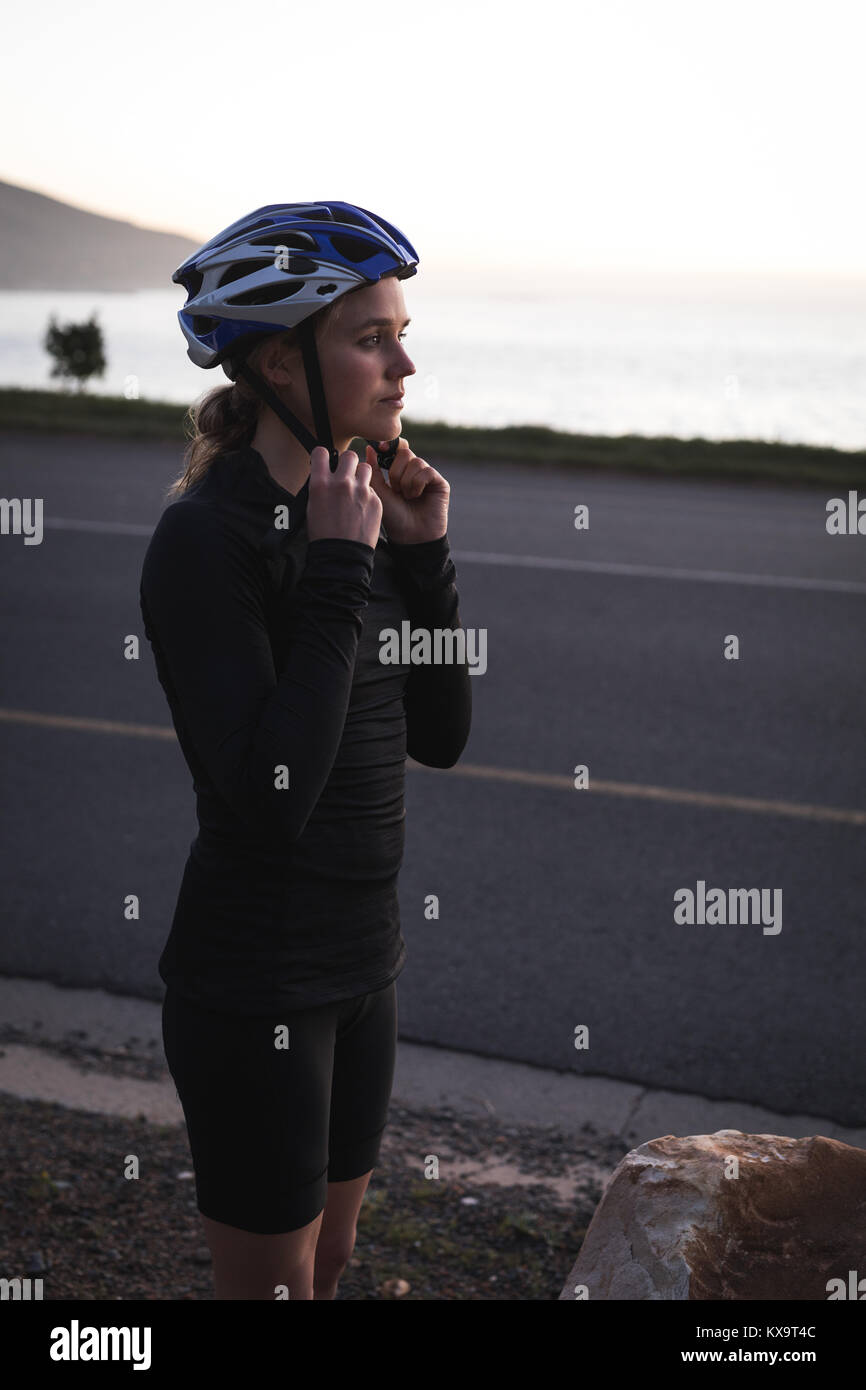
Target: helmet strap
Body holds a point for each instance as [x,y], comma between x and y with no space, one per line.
[317,397]
[315,386]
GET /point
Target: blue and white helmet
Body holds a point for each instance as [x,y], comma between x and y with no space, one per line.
[276,267]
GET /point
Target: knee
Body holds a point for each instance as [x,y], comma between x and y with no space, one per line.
[332,1256]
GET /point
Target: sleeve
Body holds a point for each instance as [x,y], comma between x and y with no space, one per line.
[438,699]
[202,601]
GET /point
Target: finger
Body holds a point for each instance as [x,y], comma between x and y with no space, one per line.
[322,468]
[347,464]
[416,477]
[401,462]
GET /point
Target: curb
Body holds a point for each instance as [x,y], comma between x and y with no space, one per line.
[90,1050]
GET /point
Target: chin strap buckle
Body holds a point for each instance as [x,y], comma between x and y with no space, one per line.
[386,455]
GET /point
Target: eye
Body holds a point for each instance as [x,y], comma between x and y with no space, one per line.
[404,334]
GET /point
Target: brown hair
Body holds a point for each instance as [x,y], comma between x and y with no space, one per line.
[227,417]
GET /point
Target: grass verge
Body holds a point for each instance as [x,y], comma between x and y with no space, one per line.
[64,412]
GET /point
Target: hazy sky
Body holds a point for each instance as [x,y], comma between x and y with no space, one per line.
[643,133]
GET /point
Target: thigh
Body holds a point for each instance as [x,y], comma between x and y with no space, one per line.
[365,1051]
[257,1114]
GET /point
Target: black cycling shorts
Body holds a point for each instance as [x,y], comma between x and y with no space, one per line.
[270,1127]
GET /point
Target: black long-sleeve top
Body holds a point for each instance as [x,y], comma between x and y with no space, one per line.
[296,734]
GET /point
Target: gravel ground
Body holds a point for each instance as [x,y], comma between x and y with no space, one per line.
[504,1220]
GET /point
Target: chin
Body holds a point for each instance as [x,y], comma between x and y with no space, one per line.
[382,422]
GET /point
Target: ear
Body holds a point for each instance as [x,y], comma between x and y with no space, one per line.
[281,358]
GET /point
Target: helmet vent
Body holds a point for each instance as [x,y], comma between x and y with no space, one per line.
[192,282]
[352,247]
[343,215]
[202,325]
[298,241]
[299,265]
[267,294]
[238,271]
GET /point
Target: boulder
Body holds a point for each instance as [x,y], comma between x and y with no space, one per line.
[728,1216]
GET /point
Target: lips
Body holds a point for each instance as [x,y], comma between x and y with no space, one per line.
[392,400]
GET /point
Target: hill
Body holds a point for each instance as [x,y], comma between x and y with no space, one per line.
[50,245]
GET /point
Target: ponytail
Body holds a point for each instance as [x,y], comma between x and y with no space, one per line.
[224,419]
[227,417]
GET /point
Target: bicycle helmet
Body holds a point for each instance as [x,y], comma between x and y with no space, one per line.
[274,269]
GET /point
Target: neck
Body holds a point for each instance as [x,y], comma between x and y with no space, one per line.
[286,459]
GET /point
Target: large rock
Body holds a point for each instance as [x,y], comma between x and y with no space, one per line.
[672,1225]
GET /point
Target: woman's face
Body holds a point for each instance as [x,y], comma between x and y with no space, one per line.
[363,363]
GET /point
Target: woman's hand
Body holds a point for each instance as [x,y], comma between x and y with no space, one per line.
[415,506]
[343,504]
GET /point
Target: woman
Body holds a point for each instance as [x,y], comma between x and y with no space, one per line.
[264,589]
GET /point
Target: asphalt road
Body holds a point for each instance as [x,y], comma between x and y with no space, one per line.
[605,648]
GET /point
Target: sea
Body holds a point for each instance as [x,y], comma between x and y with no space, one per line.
[728,355]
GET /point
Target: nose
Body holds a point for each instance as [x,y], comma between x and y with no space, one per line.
[406,365]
